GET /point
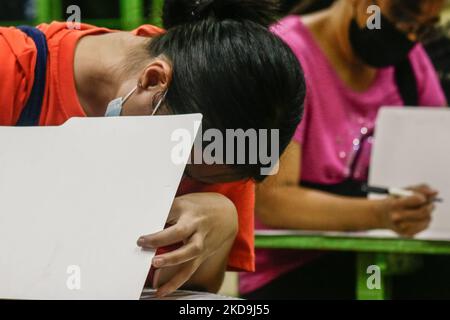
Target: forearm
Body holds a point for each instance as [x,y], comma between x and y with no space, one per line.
[293,207]
[211,273]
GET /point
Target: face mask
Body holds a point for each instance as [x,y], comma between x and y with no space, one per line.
[115,107]
[380,48]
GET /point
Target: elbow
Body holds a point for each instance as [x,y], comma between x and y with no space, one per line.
[210,284]
[267,209]
[214,285]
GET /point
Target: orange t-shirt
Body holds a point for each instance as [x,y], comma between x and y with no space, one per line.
[18,59]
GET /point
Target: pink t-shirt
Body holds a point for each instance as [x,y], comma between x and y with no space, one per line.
[336,120]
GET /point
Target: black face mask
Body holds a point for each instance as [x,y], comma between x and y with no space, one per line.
[380,48]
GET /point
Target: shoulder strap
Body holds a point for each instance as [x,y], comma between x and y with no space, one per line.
[407,83]
[32,110]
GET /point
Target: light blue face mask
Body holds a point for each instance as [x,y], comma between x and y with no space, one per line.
[115,107]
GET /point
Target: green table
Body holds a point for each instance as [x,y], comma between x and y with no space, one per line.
[392,256]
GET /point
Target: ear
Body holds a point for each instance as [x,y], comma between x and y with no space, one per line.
[157,75]
[359,10]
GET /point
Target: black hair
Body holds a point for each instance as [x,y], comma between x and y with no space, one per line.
[228,66]
[310,6]
[403,9]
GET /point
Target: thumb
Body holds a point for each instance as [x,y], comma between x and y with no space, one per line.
[156,278]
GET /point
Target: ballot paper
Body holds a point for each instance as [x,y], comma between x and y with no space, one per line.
[412,146]
[150,294]
[75,199]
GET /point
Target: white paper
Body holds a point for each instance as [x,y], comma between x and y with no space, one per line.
[186,295]
[412,146]
[79,196]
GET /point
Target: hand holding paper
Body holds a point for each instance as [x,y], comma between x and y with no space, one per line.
[207,224]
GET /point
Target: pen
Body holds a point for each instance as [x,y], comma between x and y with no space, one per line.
[396,192]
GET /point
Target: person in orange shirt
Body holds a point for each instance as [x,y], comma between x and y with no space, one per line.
[217,58]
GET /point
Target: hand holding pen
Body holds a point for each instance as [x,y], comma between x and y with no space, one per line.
[399,192]
[407,211]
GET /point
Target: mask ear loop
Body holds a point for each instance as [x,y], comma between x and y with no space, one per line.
[128,96]
[159,103]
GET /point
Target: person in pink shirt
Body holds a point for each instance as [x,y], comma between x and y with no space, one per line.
[351,71]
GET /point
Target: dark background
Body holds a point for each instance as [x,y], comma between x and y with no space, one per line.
[13,10]
[24,10]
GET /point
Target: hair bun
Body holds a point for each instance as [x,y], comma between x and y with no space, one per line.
[179,12]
